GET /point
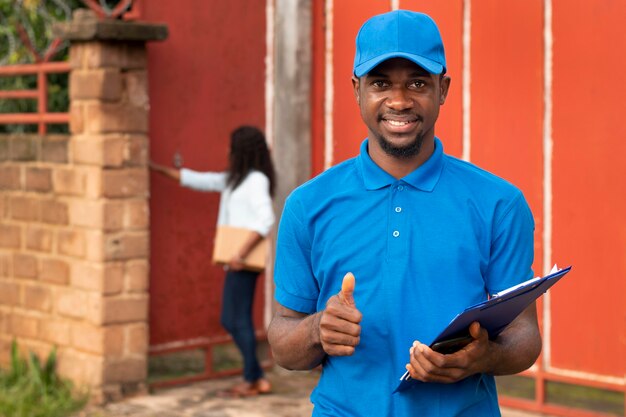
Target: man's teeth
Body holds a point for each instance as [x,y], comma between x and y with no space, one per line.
[397,123]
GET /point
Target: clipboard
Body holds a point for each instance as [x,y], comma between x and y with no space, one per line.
[493,314]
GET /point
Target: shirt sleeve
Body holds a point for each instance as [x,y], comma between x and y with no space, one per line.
[203,181]
[512,247]
[261,204]
[296,286]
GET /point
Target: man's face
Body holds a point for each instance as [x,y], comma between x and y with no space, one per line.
[399,103]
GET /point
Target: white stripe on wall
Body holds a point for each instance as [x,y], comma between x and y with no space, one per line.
[394,4]
[269,134]
[547,175]
[329,87]
[269,72]
[467,78]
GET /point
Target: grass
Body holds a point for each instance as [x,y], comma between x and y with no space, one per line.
[32,389]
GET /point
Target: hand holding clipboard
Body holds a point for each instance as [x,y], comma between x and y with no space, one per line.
[493,314]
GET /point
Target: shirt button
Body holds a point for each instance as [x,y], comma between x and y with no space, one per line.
[398,209]
[400,188]
[396,233]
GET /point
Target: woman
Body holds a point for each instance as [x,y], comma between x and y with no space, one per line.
[246,191]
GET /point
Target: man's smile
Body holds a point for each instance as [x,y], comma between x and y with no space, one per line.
[398,123]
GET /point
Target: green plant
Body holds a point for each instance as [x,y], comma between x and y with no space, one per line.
[36,18]
[32,389]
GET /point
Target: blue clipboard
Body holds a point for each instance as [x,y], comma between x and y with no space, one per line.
[494,314]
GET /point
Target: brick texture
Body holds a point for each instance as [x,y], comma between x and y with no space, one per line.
[103,117]
[126,246]
[38,239]
[125,309]
[24,147]
[77,117]
[72,243]
[9,293]
[125,182]
[79,304]
[83,368]
[136,150]
[56,331]
[37,297]
[25,208]
[10,177]
[137,276]
[125,370]
[10,236]
[74,226]
[54,149]
[69,181]
[103,150]
[38,179]
[137,339]
[98,83]
[54,212]
[100,214]
[104,278]
[25,266]
[55,271]
[102,340]
[24,326]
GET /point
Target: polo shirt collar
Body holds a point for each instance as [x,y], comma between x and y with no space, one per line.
[423,178]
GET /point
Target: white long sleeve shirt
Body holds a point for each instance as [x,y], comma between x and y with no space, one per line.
[248,206]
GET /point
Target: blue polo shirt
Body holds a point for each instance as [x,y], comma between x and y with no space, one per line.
[422,249]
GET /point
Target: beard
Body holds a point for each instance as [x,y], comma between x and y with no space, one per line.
[402,152]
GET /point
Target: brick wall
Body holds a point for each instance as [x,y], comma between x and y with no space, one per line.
[74,227]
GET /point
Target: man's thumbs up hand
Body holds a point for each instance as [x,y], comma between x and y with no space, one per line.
[339,324]
[347,289]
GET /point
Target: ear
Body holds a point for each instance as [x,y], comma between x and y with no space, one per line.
[355,87]
[444,86]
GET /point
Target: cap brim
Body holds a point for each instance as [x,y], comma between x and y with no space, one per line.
[429,65]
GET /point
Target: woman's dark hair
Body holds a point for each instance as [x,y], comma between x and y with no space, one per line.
[249,151]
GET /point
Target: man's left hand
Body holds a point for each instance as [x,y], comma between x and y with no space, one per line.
[426,365]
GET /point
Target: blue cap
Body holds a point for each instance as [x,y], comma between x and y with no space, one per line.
[399,34]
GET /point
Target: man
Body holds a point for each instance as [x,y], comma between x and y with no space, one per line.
[425,234]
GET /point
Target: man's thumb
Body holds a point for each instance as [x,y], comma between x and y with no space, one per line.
[347,289]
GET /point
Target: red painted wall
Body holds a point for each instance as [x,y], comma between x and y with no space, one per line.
[589,313]
[207,78]
[507,98]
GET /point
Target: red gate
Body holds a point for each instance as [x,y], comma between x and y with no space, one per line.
[205,80]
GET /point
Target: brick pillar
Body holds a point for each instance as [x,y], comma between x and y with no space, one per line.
[106,189]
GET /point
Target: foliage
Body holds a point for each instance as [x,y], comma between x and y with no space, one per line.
[32,389]
[36,17]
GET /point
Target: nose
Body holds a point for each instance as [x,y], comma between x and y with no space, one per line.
[399,99]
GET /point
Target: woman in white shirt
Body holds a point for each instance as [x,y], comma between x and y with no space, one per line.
[246,202]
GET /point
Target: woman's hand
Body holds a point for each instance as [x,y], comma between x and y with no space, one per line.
[236,263]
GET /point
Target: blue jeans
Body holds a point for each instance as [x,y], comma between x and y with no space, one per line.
[237,318]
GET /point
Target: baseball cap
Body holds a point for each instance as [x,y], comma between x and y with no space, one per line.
[399,34]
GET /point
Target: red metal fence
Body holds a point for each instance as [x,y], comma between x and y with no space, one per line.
[42,117]
[43,65]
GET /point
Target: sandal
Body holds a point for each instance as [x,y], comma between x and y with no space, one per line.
[263,386]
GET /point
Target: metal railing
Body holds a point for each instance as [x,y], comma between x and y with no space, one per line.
[42,64]
[42,117]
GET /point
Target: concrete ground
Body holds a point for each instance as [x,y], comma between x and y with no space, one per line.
[289,399]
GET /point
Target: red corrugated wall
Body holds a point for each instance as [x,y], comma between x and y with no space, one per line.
[543,89]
